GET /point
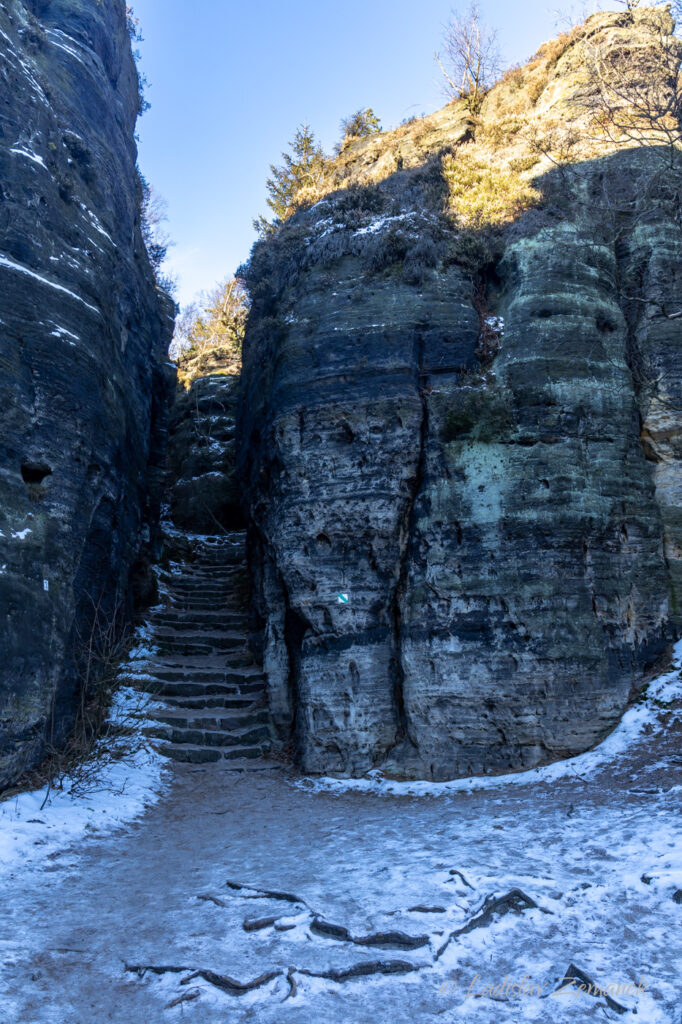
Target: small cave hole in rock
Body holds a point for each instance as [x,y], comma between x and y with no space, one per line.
[35,472]
[605,326]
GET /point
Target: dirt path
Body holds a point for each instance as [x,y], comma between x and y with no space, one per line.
[600,858]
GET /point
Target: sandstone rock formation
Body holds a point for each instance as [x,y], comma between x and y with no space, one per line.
[203,492]
[83,337]
[460,433]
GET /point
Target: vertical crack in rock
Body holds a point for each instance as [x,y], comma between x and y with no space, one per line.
[295,629]
[646,257]
[406,554]
[503,624]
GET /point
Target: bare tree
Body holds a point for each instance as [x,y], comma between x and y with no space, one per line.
[631,5]
[217,320]
[676,11]
[153,215]
[636,91]
[471,59]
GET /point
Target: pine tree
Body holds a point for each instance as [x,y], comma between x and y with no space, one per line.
[360,124]
[294,182]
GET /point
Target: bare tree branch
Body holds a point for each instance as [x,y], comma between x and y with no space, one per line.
[471,59]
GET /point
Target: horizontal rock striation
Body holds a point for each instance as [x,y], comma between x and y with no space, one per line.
[460,444]
[203,494]
[83,336]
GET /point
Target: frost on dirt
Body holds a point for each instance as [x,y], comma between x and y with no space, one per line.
[548,896]
[552,897]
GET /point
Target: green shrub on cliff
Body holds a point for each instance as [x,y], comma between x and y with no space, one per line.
[482,195]
[359,125]
[295,182]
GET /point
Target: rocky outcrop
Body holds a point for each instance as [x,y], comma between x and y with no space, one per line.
[83,337]
[202,490]
[460,435]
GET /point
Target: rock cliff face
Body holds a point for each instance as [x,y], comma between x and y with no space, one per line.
[460,434]
[204,493]
[83,336]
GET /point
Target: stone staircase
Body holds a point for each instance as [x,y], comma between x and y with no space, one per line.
[210,695]
[196,660]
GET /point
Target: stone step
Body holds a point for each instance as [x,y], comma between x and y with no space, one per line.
[229,554]
[211,696]
[212,571]
[184,688]
[224,640]
[182,619]
[240,657]
[225,563]
[253,701]
[208,615]
[229,561]
[205,604]
[236,756]
[198,718]
[174,671]
[221,581]
[199,670]
[178,618]
[207,579]
[178,736]
[193,552]
[238,593]
[202,588]
[220,547]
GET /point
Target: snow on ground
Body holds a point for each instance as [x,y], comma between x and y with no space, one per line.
[370,904]
[37,824]
[126,778]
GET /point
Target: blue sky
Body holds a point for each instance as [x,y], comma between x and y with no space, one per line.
[230,81]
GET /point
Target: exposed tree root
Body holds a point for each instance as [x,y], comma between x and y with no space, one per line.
[454,871]
[186,997]
[420,909]
[226,984]
[293,987]
[515,901]
[256,924]
[212,899]
[141,969]
[365,970]
[229,985]
[382,940]
[250,892]
[577,981]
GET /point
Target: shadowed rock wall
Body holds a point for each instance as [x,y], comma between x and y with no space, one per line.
[481,452]
[203,495]
[83,337]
